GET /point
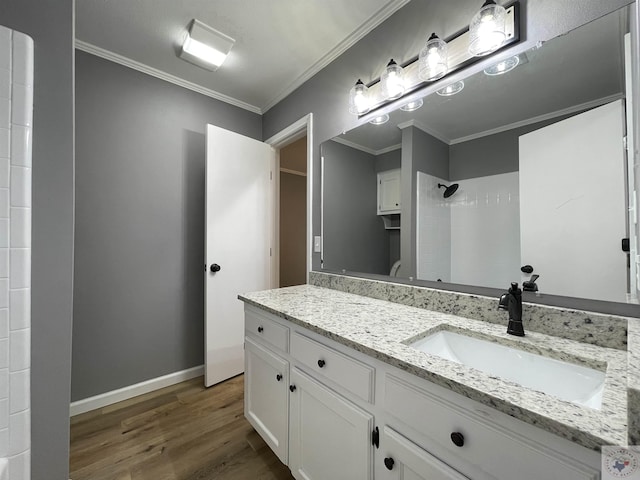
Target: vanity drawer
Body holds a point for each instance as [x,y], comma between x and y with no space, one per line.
[259,325]
[483,444]
[345,371]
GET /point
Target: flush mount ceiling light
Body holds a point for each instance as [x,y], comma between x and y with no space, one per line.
[432,62]
[205,46]
[411,106]
[451,89]
[392,81]
[359,99]
[503,66]
[380,120]
[487,30]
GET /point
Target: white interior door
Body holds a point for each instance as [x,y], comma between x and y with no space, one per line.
[573,205]
[239,236]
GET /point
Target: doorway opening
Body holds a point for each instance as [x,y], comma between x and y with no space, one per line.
[293,191]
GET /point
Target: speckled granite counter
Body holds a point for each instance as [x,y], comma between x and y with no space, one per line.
[378,328]
[633,397]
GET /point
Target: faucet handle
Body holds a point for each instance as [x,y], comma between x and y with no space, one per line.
[503,304]
[531,285]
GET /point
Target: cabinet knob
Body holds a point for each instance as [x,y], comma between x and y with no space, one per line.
[389,462]
[215,268]
[292,388]
[260,329]
[458,439]
[321,363]
[278,377]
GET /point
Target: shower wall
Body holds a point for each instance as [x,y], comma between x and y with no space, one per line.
[16,106]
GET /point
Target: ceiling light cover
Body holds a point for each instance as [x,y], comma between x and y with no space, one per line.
[359,103]
[380,120]
[503,66]
[451,89]
[432,62]
[487,30]
[205,46]
[411,106]
[392,81]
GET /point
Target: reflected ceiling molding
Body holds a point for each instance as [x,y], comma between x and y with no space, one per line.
[368,150]
[540,118]
[425,129]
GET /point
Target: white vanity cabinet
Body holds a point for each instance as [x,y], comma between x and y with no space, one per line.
[320,416]
[266,381]
[330,436]
[389,192]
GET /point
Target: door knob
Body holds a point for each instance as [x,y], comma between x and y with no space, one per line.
[215,268]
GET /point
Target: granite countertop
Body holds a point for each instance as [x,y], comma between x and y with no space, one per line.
[380,329]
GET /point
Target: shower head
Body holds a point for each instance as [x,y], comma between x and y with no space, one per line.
[450,190]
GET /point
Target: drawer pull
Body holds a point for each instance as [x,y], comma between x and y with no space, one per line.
[278,377]
[292,388]
[260,329]
[321,363]
[458,439]
[389,462]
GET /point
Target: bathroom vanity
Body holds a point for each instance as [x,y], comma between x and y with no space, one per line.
[336,389]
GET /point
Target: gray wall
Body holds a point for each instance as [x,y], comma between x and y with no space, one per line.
[293,229]
[50,24]
[421,152]
[491,155]
[388,161]
[139,249]
[401,37]
[354,235]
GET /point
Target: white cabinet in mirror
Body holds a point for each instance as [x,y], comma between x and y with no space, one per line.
[543,180]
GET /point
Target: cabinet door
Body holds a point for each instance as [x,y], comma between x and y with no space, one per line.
[401,459]
[389,192]
[266,399]
[330,436]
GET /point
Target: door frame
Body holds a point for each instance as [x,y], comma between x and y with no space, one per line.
[284,137]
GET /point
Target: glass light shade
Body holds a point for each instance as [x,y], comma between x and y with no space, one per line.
[359,99]
[451,89]
[487,29]
[503,66]
[433,61]
[380,120]
[411,106]
[392,81]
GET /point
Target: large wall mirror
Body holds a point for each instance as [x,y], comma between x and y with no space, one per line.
[525,167]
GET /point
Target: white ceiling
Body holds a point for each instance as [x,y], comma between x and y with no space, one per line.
[279,43]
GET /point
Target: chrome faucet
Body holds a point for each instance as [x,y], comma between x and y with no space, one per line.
[512,301]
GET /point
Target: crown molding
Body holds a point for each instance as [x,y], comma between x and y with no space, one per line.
[425,129]
[167,77]
[368,150]
[541,118]
[379,17]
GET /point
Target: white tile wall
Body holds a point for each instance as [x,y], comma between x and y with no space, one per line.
[16,105]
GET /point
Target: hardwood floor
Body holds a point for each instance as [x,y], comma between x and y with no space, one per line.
[182,432]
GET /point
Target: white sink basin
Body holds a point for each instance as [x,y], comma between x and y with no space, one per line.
[574,383]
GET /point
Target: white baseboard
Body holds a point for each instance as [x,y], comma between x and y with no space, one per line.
[115,396]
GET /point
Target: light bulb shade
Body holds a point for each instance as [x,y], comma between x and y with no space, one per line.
[205,46]
[359,103]
[411,106]
[392,81]
[432,62]
[503,67]
[487,31]
[384,118]
[451,89]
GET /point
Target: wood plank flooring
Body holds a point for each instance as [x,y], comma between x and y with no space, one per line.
[182,432]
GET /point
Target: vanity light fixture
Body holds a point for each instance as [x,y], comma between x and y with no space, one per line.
[392,81]
[432,61]
[411,106]
[380,120]
[451,89]
[205,46]
[503,67]
[359,99]
[487,31]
